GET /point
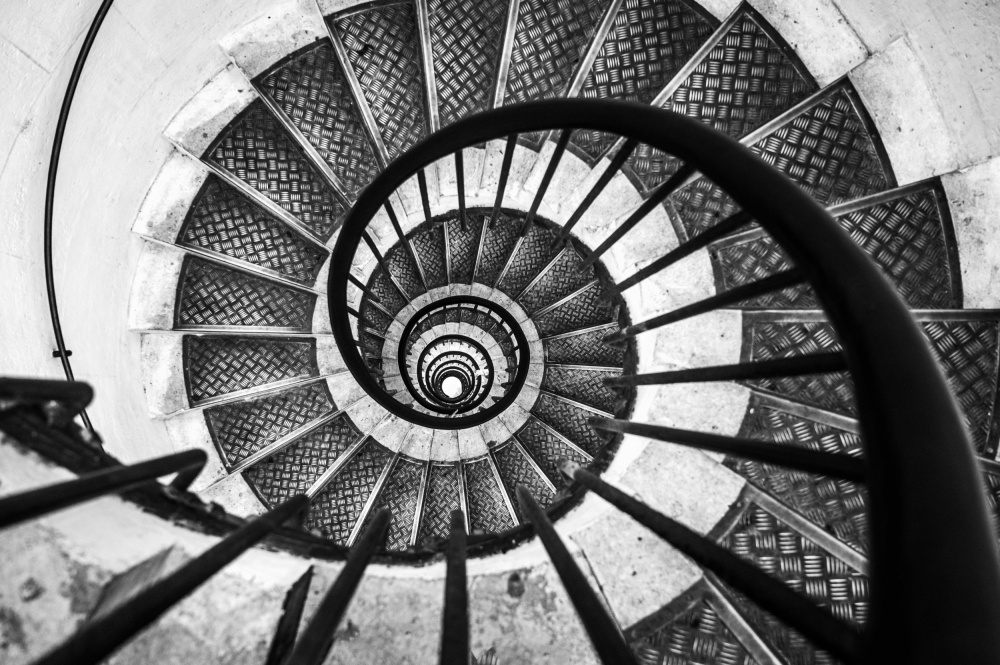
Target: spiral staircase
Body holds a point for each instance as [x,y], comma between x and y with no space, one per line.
[503,303]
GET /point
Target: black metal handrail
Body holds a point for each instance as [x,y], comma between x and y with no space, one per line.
[919,464]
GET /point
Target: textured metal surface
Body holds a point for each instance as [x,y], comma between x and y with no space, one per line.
[242,428]
[534,253]
[547,449]
[211,295]
[400,496]
[559,279]
[429,246]
[830,150]
[695,634]
[467,37]
[216,365]
[500,239]
[336,509]
[389,296]
[570,421]
[515,469]
[586,349]
[383,47]
[487,508]
[839,506]
[293,470]
[744,263]
[406,272]
[255,149]
[763,540]
[584,311]
[223,221]
[463,246]
[583,385]
[647,44]
[442,498]
[551,38]
[314,93]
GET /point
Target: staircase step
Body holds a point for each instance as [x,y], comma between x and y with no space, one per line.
[441,497]
[546,448]
[489,507]
[583,384]
[518,468]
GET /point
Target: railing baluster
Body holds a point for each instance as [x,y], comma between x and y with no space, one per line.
[550,171]
[403,240]
[604,633]
[613,168]
[702,240]
[288,624]
[775,282]
[455,618]
[803,459]
[658,196]
[364,289]
[317,639]
[96,640]
[827,631]
[820,363]
[508,158]
[460,183]
[35,503]
[75,394]
[378,255]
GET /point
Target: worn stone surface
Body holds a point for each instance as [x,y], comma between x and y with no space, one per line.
[974,198]
[154,289]
[285,29]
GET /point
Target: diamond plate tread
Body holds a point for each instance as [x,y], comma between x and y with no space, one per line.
[515,469]
[293,470]
[216,366]
[558,282]
[389,296]
[401,265]
[463,246]
[336,509]
[968,351]
[570,421]
[383,48]
[241,429]
[313,91]
[374,317]
[828,150]
[487,508]
[501,237]
[213,295]
[256,149]
[429,246]
[647,44]
[551,38]
[399,495]
[585,349]
[839,506]
[466,38]
[748,262]
[695,635]
[440,499]
[222,220]
[547,449]
[762,539]
[584,311]
[582,385]
[532,256]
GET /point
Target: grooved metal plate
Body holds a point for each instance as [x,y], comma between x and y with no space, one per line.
[293,470]
[647,44]
[560,279]
[463,247]
[584,311]
[466,38]
[222,220]
[487,509]
[383,48]
[586,349]
[762,539]
[532,256]
[401,266]
[215,366]
[428,245]
[389,296]
[255,149]
[546,449]
[501,237]
[212,295]
[582,385]
[336,509]
[515,469]
[441,498]
[314,93]
[838,506]
[570,421]
[399,495]
[242,428]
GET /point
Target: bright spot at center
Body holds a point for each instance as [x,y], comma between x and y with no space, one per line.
[451,386]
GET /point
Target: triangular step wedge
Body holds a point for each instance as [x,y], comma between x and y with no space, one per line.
[517,467]
[489,511]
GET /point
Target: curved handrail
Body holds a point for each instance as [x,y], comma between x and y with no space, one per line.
[934,599]
[50,191]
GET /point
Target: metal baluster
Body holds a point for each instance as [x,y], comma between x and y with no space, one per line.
[74,394]
[550,171]
[403,240]
[99,638]
[820,363]
[455,619]
[38,502]
[317,639]
[380,259]
[771,594]
[508,157]
[803,459]
[460,182]
[364,289]
[604,633]
[288,624]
